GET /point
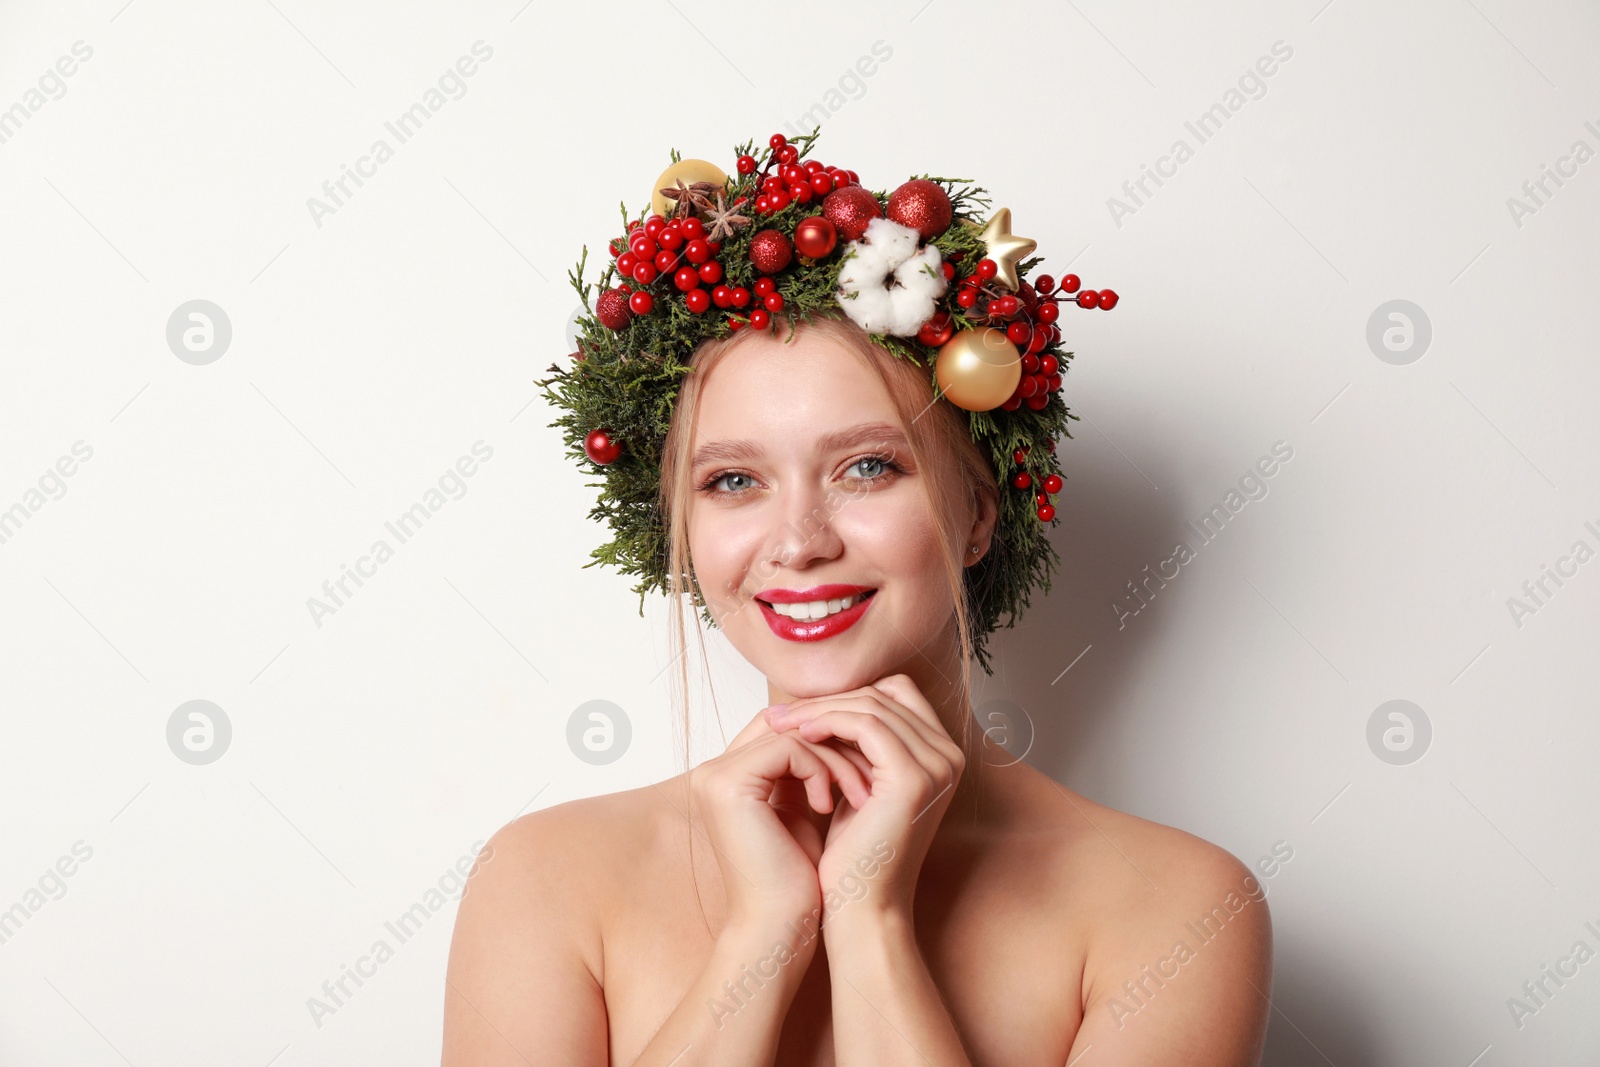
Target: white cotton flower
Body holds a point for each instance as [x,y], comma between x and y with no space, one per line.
[886,285]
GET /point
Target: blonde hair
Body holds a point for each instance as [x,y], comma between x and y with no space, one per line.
[941,447]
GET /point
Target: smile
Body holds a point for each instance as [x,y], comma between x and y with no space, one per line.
[815,620]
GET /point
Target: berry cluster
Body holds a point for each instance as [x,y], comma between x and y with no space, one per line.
[792,182]
[656,248]
[1028,317]
[1048,488]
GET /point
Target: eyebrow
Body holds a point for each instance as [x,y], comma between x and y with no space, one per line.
[742,449]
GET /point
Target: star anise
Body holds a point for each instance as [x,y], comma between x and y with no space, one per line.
[690,198]
[724,220]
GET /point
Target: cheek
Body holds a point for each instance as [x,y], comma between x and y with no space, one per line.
[724,547]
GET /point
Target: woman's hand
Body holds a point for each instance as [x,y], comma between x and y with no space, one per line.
[752,800]
[892,735]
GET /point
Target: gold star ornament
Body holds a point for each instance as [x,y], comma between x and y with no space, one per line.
[1005,248]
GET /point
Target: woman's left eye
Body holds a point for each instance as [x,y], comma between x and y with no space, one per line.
[883,465]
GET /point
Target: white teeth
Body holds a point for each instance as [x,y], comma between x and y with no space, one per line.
[816,609]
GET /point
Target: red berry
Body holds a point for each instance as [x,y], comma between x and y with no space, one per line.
[764,286]
[1037,401]
[760,319]
[625,263]
[773,301]
[937,330]
[949,270]
[741,296]
[711,273]
[697,251]
[735,324]
[654,225]
[788,154]
[693,229]
[686,279]
[670,238]
[1044,285]
[966,298]
[1070,283]
[618,246]
[821,184]
[644,273]
[1020,456]
[812,166]
[1022,480]
[1008,306]
[777,201]
[747,164]
[666,261]
[1049,311]
[1088,298]
[641,302]
[1055,382]
[1046,513]
[987,268]
[697,300]
[1018,333]
[599,446]
[1108,299]
[801,194]
[1011,405]
[722,296]
[715,246]
[777,141]
[1047,365]
[1030,363]
[1037,342]
[761,204]
[771,184]
[642,247]
[1052,484]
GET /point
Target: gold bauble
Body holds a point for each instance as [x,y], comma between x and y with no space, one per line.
[1005,248]
[978,369]
[689,171]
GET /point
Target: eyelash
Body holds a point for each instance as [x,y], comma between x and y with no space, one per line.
[888,463]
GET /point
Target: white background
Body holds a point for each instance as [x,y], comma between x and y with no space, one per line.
[370,753]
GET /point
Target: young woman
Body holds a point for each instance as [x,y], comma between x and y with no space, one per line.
[851,881]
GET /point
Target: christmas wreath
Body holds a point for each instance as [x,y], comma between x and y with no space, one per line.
[924,270]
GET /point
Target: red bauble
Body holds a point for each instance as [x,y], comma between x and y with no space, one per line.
[815,237]
[770,251]
[612,309]
[922,205]
[850,209]
[599,446]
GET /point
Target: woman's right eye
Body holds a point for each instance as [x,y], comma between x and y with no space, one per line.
[713,483]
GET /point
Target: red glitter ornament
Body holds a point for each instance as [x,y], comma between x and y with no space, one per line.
[770,251]
[612,309]
[850,209]
[599,446]
[922,205]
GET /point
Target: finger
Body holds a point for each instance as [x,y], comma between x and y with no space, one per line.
[904,691]
[911,734]
[875,735]
[852,776]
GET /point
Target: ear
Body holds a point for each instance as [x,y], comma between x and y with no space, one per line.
[985,520]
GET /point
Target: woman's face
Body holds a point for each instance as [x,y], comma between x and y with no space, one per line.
[801,478]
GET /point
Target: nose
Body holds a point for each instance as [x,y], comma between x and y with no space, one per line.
[804,529]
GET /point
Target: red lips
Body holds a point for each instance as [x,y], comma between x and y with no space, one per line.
[814,629]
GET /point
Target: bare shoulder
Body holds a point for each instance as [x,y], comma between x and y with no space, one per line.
[1178,935]
[528,932]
